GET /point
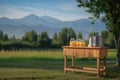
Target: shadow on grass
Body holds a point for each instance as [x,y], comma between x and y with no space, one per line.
[33,63]
[38,63]
[113,71]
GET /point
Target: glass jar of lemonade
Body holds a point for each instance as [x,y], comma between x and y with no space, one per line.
[72,42]
[82,43]
[78,41]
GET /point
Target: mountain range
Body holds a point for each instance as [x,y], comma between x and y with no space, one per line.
[18,27]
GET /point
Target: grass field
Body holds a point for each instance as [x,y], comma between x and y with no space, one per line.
[48,65]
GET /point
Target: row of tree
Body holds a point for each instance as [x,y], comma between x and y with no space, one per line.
[63,37]
[3,37]
[32,39]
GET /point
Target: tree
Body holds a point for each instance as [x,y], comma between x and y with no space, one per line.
[33,36]
[30,36]
[5,37]
[55,37]
[1,35]
[104,35]
[108,39]
[93,34]
[13,38]
[109,12]
[63,36]
[79,35]
[44,35]
[71,34]
[44,40]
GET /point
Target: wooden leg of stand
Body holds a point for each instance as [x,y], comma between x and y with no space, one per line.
[104,67]
[65,63]
[98,67]
[73,63]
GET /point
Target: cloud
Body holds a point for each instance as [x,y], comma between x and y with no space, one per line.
[11,12]
[50,12]
[66,11]
[68,6]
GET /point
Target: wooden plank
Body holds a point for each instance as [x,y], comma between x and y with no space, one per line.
[89,68]
[93,69]
[65,63]
[85,51]
[77,47]
[98,67]
[73,62]
[80,70]
[104,65]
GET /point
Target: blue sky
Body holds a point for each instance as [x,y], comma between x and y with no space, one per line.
[65,10]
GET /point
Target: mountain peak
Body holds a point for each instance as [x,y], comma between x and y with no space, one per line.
[32,16]
[5,18]
[48,18]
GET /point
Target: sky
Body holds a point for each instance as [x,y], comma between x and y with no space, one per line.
[65,10]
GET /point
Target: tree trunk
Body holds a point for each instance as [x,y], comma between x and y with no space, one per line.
[117,42]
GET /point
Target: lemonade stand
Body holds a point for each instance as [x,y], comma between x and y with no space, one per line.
[78,48]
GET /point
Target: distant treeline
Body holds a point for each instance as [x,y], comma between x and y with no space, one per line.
[37,41]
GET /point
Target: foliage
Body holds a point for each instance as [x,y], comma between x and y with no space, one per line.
[16,45]
[108,39]
[79,35]
[65,34]
[30,36]
[3,37]
[71,34]
[104,34]
[13,38]
[109,12]
[93,34]
[55,37]
[44,40]
[106,10]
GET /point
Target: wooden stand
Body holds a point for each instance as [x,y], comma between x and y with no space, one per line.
[85,52]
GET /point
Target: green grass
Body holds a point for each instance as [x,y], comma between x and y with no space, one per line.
[48,65]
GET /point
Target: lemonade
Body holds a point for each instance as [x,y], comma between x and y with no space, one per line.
[72,42]
[80,43]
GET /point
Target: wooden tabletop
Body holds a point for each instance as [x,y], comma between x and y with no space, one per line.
[75,47]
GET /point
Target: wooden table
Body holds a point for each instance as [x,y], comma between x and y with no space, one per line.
[85,52]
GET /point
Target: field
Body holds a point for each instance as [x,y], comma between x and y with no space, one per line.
[48,65]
